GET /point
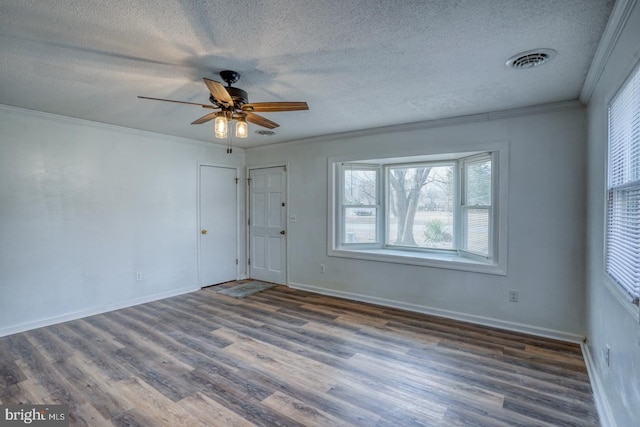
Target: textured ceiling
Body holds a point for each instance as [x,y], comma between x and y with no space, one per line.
[359,64]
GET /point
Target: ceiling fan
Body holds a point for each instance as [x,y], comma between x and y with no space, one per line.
[232,103]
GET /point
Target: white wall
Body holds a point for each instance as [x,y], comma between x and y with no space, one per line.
[84,206]
[609,322]
[545,232]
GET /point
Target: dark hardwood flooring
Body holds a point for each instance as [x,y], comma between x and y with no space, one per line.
[284,357]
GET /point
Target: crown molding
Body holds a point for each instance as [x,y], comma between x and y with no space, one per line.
[115,128]
[429,124]
[617,22]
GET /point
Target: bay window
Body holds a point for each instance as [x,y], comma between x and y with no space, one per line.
[436,210]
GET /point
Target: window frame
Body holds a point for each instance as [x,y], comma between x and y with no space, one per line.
[438,258]
[345,206]
[629,299]
[465,207]
[386,195]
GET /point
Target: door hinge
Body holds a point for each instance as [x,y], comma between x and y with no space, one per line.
[248,221]
[237,180]
[283,204]
[248,181]
[236,261]
[249,261]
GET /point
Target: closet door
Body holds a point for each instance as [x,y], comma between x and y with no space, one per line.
[218,232]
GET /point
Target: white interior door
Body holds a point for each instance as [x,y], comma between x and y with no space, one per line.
[267,232]
[218,248]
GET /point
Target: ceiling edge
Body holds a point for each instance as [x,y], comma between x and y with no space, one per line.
[99,125]
[453,121]
[617,21]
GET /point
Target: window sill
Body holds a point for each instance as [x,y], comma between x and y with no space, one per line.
[424,259]
[622,298]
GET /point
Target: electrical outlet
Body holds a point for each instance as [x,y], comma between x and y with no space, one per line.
[139,276]
[322,268]
[607,355]
[513,296]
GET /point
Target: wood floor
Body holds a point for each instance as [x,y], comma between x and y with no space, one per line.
[284,357]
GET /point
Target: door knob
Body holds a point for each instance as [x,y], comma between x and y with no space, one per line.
[204,231]
[282,232]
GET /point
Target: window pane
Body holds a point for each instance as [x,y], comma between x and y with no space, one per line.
[623,196]
[420,206]
[476,236]
[360,186]
[478,183]
[360,225]
[623,239]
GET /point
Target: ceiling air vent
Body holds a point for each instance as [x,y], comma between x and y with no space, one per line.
[265,132]
[531,58]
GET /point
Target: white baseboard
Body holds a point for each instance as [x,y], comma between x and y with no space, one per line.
[471,318]
[22,327]
[602,403]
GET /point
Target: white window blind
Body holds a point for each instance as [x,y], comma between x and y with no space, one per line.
[623,189]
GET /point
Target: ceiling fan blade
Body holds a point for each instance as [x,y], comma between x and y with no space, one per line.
[260,121]
[218,91]
[205,118]
[177,102]
[267,107]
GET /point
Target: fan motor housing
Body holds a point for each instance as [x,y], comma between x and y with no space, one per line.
[239,96]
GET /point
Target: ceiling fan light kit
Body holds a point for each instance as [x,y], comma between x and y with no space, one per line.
[220,128]
[242,128]
[233,105]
